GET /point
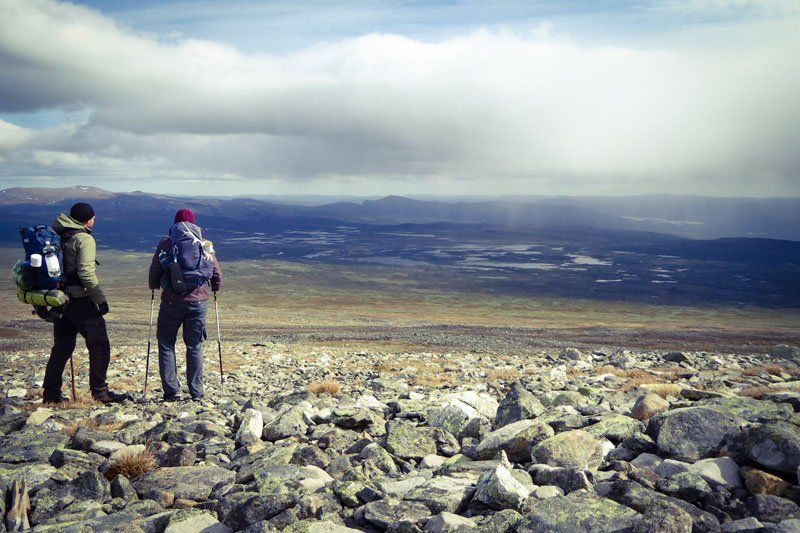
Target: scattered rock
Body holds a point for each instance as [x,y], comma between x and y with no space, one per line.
[648,405]
[516,439]
[500,490]
[692,433]
[571,449]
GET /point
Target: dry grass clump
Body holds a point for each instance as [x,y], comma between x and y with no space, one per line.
[764,369]
[638,377]
[82,400]
[433,380]
[90,423]
[327,386]
[502,374]
[759,392]
[664,389]
[132,465]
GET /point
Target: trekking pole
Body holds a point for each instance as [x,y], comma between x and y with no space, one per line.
[219,346]
[149,335]
[72,377]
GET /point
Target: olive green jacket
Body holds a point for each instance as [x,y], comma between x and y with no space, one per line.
[80,258]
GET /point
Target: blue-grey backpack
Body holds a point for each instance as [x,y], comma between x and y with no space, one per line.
[188,264]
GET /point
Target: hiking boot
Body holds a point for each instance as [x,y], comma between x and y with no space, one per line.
[106,396]
[55,400]
[173,398]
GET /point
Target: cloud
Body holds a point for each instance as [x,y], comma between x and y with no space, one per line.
[492,110]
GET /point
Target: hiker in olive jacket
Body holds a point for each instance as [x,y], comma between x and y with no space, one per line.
[84,312]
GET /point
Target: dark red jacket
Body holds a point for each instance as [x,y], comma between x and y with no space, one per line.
[200,294]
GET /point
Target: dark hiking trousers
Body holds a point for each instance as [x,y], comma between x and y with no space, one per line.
[79,316]
[171,316]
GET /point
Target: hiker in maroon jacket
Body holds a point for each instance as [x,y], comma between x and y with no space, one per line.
[187,309]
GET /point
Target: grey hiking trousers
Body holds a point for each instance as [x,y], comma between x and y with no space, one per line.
[171,316]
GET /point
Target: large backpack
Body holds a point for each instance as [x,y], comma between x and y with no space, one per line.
[188,258]
[42,241]
[39,281]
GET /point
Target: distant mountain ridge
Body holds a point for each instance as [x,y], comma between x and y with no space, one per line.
[686,216]
[573,249]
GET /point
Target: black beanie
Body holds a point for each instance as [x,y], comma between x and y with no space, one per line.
[82,212]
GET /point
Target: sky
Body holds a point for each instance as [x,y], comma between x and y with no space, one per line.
[378,97]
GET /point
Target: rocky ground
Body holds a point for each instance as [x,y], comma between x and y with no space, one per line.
[346,439]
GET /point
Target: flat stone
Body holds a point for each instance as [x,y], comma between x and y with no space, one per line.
[391,512]
[187,482]
[406,441]
[718,472]
[768,508]
[36,474]
[692,433]
[579,511]
[449,523]
[616,428]
[445,493]
[547,491]
[127,451]
[745,525]
[571,449]
[30,445]
[195,520]
[106,447]
[39,416]
[516,439]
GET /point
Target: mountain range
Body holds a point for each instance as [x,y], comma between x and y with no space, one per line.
[637,248]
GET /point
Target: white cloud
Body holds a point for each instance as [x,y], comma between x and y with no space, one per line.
[488,111]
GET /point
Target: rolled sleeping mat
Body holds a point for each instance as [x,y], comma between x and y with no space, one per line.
[42,298]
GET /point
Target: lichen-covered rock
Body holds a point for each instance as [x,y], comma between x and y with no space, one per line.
[664,517]
[647,406]
[459,418]
[616,428]
[768,508]
[579,511]
[251,427]
[718,472]
[571,449]
[516,439]
[775,445]
[449,523]
[188,482]
[760,482]
[406,441]
[445,493]
[394,513]
[518,404]
[686,486]
[292,422]
[692,433]
[499,490]
[30,445]
[639,498]
[193,520]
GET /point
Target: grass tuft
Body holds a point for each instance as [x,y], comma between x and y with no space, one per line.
[328,386]
[132,465]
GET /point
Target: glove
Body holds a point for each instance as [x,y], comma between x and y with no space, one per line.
[103,308]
